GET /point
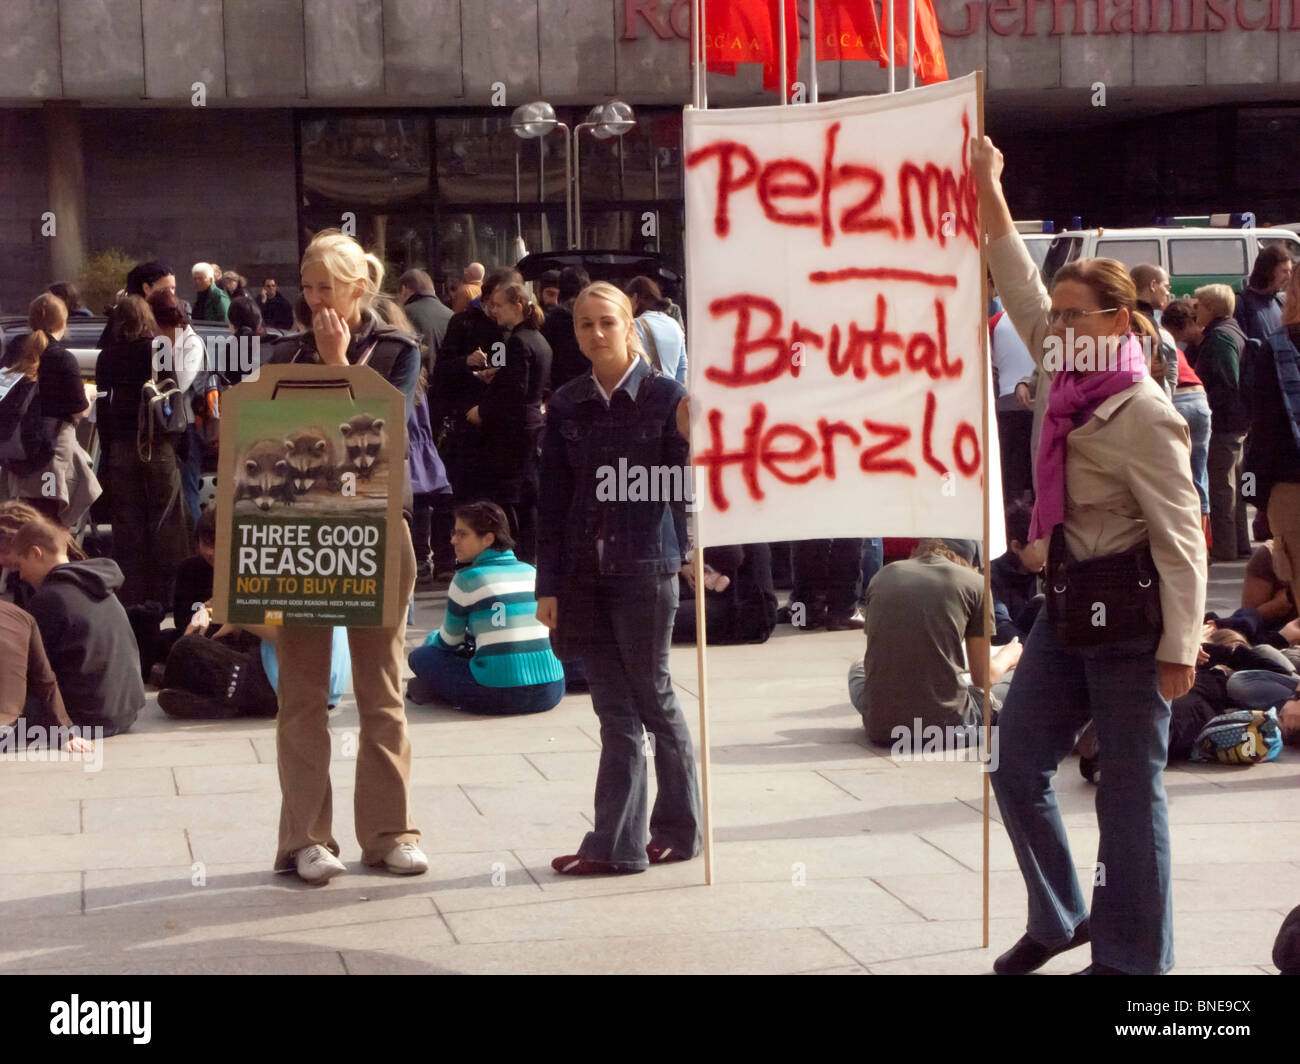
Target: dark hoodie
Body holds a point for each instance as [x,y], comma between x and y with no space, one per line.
[90,645]
[1218,364]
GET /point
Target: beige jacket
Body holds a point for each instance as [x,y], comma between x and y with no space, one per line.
[1128,474]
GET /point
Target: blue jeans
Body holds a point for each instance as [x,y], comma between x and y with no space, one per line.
[1053,695]
[1195,409]
[1261,689]
[443,676]
[626,662]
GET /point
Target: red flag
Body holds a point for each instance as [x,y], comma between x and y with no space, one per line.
[749,31]
[847,29]
[929,62]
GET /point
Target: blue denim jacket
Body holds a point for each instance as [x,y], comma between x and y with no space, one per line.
[604,476]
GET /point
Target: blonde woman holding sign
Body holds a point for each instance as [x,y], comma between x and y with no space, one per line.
[607,585]
[340,283]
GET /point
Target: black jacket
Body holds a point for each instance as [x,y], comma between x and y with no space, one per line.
[511,410]
[59,379]
[121,370]
[395,357]
[454,388]
[90,644]
[277,312]
[567,359]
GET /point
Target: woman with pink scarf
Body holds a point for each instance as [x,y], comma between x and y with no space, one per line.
[1126,590]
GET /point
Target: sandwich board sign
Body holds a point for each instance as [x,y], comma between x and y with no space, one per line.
[309,491]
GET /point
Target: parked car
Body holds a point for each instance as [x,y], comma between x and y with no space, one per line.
[1194,256]
[82,337]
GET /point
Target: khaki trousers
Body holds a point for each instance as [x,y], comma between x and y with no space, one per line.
[302,735]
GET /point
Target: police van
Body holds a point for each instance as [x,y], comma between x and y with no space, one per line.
[1206,249]
[1038,236]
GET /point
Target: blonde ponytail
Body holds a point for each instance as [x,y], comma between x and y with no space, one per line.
[375,271]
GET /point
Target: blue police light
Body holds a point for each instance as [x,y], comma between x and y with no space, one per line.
[1076,221]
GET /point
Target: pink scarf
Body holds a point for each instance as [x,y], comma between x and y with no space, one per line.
[1074,398]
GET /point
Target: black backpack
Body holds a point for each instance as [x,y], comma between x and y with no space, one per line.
[24,446]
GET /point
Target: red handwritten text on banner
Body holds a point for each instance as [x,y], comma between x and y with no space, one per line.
[833,269]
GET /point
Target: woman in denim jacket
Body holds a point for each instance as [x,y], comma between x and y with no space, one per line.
[611,537]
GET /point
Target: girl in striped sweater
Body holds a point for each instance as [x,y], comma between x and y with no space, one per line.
[490,655]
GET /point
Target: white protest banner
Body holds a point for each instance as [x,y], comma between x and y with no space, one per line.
[836,314]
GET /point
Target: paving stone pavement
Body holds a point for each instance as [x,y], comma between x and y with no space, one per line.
[830,856]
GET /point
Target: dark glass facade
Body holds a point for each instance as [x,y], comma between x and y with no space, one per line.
[1209,160]
[437,189]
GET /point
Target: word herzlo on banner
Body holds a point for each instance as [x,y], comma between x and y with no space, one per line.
[836,317]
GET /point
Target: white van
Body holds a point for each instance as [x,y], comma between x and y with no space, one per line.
[1193,255]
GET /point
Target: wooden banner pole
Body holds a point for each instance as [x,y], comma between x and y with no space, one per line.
[988,562]
[702,672]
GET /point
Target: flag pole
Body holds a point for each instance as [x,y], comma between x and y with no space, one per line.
[785,88]
[889,6]
[812,53]
[702,17]
[985,373]
[697,50]
[911,44]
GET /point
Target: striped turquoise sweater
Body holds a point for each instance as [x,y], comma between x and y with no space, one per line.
[493,601]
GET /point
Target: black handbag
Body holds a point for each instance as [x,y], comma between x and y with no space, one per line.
[1111,599]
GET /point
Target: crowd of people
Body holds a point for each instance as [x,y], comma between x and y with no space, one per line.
[1120,484]
[477,378]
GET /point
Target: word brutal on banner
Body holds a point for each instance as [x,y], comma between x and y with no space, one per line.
[836,317]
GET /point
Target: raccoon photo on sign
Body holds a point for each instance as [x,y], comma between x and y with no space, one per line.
[310,470]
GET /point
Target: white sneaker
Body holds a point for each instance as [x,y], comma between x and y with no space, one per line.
[406,859]
[317,865]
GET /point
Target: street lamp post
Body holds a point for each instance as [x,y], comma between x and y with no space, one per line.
[605,120]
[535,121]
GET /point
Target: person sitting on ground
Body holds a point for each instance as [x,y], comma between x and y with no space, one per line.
[28,687]
[919,612]
[235,671]
[739,599]
[490,655]
[84,628]
[193,585]
[1016,597]
[1263,591]
[1230,675]
[13,515]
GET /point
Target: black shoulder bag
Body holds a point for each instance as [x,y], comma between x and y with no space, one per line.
[1111,599]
